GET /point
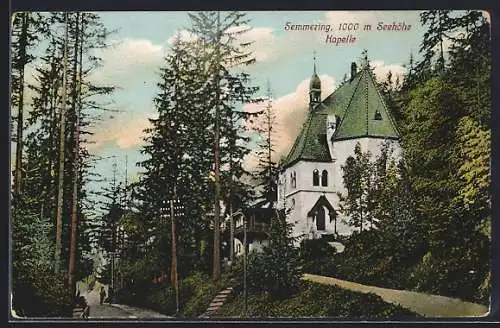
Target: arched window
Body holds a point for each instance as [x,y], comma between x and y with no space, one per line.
[315,178]
[324,178]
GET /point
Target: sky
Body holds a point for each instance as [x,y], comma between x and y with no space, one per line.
[284,57]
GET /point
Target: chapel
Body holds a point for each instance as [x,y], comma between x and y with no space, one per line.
[311,175]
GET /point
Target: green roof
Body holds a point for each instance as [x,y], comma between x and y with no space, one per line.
[356,103]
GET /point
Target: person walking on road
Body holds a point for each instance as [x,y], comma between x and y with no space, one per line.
[102,295]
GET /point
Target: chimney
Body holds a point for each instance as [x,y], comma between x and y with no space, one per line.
[353,70]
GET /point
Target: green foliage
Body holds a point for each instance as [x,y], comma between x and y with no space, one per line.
[198,290]
[278,269]
[161,299]
[474,149]
[315,300]
[37,291]
[358,180]
[178,156]
[316,249]
[158,297]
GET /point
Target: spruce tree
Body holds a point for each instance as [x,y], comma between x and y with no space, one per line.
[267,169]
[27,31]
[177,150]
[45,134]
[220,33]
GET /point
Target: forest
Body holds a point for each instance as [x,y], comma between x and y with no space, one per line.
[431,212]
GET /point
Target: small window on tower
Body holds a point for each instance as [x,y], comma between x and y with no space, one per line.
[324,178]
[378,116]
[315,178]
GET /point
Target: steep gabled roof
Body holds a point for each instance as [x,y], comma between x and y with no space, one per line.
[356,103]
[358,118]
[311,143]
[322,201]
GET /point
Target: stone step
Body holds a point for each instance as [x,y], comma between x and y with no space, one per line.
[212,308]
[216,303]
[220,297]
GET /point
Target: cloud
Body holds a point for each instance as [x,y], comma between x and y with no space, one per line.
[291,112]
[381,69]
[362,17]
[184,35]
[264,42]
[126,59]
[124,131]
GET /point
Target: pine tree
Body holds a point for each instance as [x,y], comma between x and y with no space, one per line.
[27,30]
[45,134]
[223,53]
[267,169]
[439,27]
[470,66]
[178,148]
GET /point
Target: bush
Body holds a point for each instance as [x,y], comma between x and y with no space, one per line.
[316,300]
[278,269]
[317,255]
[314,249]
[198,290]
[449,274]
[455,267]
[161,299]
[41,293]
[370,259]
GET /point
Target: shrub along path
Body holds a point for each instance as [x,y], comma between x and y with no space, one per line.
[424,304]
[114,311]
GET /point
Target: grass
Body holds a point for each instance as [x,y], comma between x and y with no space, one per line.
[316,300]
[200,290]
[423,304]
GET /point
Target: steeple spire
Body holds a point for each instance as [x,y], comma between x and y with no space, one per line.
[314,86]
[314,62]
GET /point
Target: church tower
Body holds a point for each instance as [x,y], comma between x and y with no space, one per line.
[314,88]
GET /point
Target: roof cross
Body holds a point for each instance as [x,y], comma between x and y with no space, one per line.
[364,61]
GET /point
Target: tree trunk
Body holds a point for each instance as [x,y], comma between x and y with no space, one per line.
[20,108]
[60,185]
[173,270]
[77,65]
[216,260]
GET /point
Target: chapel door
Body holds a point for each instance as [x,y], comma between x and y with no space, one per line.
[320,219]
